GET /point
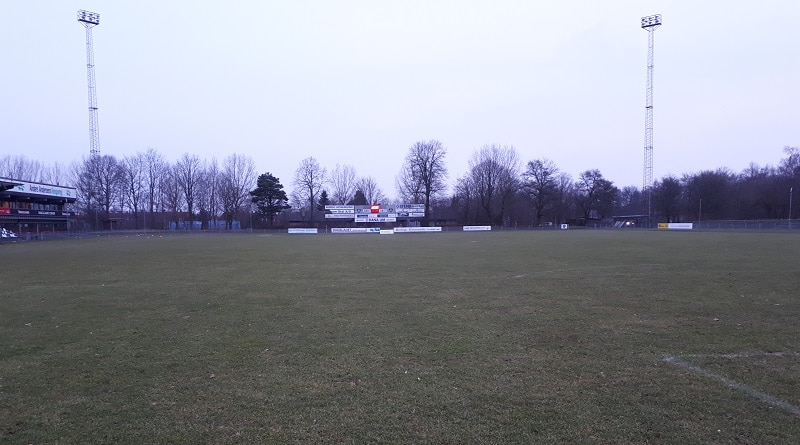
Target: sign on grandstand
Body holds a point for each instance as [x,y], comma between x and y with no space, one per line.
[33,188]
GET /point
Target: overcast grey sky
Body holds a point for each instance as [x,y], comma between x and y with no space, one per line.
[357,82]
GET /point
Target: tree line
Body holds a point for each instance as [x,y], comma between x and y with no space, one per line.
[145,190]
[498,189]
[157,194]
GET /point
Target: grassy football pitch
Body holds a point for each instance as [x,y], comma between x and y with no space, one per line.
[501,337]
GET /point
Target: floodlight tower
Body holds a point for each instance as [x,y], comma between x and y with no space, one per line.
[650,24]
[89,21]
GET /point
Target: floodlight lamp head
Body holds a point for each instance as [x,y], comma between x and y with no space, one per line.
[91,18]
[651,21]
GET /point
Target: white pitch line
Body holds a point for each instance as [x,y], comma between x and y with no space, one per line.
[764,397]
[744,355]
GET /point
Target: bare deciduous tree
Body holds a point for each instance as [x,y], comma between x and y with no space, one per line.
[596,194]
[83,181]
[708,194]
[309,179]
[343,184]
[299,203]
[540,186]
[565,189]
[24,169]
[409,187]
[203,197]
[423,174]
[790,165]
[98,182]
[238,178]
[154,168]
[171,192]
[667,198]
[213,182]
[134,177]
[369,187]
[494,172]
[188,170]
[465,200]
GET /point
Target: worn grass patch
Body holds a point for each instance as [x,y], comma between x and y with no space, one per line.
[502,337]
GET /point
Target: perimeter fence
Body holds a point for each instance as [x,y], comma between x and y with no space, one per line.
[717,225]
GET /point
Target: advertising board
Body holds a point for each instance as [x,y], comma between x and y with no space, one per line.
[355,230]
[374,213]
[675,226]
[417,229]
[376,219]
[409,208]
[7,211]
[476,228]
[34,188]
[302,230]
[339,216]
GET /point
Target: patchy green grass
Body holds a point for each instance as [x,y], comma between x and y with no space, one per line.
[502,337]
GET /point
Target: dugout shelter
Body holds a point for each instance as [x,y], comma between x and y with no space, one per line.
[32,208]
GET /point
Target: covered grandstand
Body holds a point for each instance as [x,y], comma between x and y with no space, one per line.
[31,209]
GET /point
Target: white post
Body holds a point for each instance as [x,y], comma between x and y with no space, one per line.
[700,211]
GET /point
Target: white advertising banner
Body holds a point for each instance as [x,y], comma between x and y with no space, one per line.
[416,229]
[302,230]
[366,218]
[44,189]
[477,228]
[406,208]
[355,230]
[339,216]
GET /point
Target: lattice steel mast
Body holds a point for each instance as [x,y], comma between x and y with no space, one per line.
[89,21]
[650,24]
